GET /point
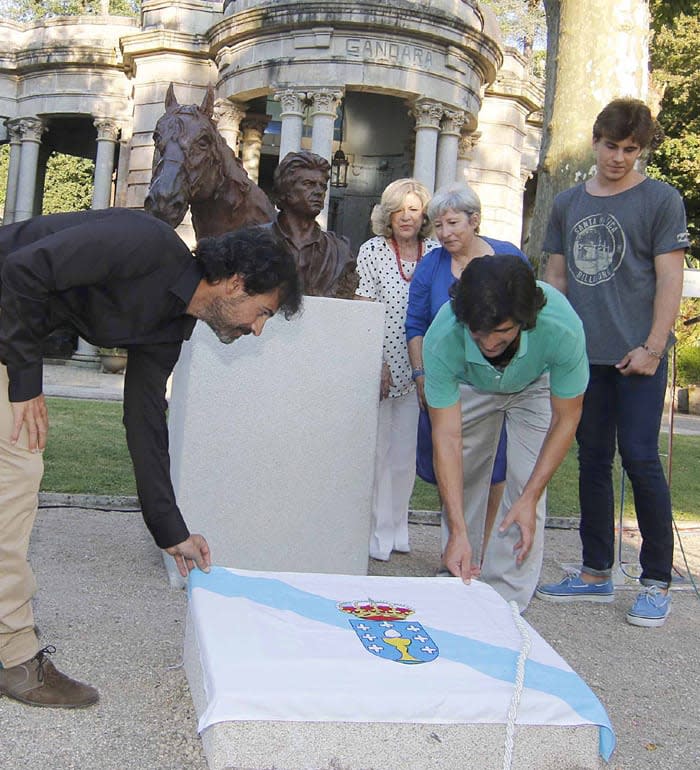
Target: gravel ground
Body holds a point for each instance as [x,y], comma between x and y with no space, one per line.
[105,603]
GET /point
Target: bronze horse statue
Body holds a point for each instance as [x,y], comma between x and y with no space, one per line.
[193,166]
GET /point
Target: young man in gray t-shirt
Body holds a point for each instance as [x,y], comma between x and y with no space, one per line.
[616,246]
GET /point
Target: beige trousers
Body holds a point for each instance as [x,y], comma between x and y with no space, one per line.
[527,415]
[20,476]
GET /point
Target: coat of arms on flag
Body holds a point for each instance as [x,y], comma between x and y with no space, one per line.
[383,631]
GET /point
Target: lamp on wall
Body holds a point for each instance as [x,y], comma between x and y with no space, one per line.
[339,169]
[340,163]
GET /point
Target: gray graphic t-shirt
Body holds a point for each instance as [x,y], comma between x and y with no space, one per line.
[610,243]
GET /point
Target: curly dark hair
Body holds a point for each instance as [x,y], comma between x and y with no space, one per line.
[496,288]
[255,254]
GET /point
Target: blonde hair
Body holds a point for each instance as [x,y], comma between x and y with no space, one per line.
[392,200]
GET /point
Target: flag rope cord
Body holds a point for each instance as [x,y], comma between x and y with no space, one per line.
[526,645]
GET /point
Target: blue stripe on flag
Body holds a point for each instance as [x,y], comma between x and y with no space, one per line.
[492,660]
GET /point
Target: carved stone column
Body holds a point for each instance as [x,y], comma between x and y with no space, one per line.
[447,147]
[253,128]
[292,117]
[428,115]
[122,185]
[467,142]
[107,138]
[13,130]
[324,109]
[30,130]
[228,116]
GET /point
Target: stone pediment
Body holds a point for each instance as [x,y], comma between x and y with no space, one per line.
[446,48]
[444,22]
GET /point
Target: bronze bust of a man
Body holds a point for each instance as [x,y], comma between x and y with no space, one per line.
[326,264]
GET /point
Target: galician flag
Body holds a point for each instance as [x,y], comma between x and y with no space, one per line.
[347,648]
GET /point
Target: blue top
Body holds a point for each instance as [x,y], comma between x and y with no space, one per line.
[431,282]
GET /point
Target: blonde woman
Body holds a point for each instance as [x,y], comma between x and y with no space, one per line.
[385,265]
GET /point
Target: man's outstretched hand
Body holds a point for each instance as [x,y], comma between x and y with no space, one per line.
[522,514]
[458,558]
[191,553]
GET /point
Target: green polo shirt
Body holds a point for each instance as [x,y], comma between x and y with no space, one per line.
[556,345]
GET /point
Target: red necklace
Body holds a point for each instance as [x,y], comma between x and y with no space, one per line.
[406,278]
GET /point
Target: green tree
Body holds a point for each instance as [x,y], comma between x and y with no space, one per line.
[32,10]
[663,12]
[68,183]
[675,58]
[522,22]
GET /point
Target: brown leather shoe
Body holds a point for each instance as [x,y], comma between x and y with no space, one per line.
[38,683]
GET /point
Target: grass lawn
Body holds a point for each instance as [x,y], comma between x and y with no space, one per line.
[562,496]
[87,453]
[86,450]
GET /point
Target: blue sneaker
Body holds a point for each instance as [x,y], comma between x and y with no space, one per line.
[573,589]
[651,608]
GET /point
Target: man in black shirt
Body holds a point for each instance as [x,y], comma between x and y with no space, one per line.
[122,279]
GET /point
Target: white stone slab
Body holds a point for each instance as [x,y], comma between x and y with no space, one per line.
[273,439]
[332,745]
[259,745]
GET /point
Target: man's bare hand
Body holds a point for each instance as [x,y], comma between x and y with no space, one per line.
[35,416]
[458,558]
[638,361]
[523,515]
[190,553]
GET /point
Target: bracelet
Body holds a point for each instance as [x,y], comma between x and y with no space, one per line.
[416,373]
[652,352]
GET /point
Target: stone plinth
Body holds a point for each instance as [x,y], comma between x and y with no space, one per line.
[273,439]
[260,745]
[280,678]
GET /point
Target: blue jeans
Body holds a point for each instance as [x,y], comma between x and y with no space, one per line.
[630,409]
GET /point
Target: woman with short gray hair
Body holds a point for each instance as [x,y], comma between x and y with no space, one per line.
[457,197]
[455,213]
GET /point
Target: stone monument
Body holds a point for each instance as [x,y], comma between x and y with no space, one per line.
[272,440]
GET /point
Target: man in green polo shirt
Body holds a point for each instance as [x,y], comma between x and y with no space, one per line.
[505,347]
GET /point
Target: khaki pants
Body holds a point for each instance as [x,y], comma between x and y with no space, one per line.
[527,415]
[20,476]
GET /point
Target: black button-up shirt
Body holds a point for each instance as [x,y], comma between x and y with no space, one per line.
[121,278]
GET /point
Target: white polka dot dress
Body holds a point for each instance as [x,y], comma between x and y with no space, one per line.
[381,280]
